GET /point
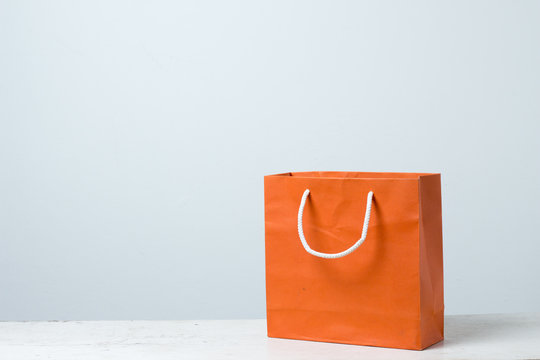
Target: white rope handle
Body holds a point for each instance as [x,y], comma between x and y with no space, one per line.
[335,255]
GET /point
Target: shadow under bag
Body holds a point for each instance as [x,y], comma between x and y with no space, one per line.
[355,258]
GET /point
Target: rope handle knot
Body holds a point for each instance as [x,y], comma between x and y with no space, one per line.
[339,254]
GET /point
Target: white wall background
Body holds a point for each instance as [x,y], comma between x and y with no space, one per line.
[134,136]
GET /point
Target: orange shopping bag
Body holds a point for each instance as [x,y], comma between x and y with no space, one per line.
[355,258]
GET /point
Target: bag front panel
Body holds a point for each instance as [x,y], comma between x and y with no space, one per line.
[368,297]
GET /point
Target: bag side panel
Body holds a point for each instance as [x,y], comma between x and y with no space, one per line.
[431,260]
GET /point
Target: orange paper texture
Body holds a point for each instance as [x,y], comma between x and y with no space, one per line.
[388,292]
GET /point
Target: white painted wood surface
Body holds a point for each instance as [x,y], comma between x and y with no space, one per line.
[515,336]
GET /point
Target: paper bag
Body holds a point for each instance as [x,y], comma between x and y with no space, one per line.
[355,258]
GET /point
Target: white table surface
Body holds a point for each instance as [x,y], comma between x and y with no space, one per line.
[511,336]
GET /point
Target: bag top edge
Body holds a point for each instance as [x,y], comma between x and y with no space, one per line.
[353,175]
